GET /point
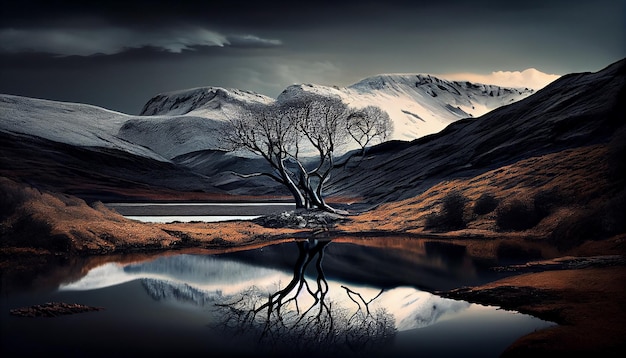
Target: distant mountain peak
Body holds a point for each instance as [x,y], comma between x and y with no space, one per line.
[184,101]
[418,104]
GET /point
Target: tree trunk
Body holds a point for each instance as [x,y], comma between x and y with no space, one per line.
[299,198]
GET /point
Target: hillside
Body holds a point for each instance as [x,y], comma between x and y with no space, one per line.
[73,124]
[573,111]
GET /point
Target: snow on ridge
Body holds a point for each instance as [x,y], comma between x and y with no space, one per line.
[418,104]
[160,137]
[71,123]
[204,101]
[171,136]
[185,121]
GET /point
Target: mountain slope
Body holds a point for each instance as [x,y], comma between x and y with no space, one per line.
[576,110]
[418,104]
[95,173]
[182,133]
[69,123]
[186,121]
[186,124]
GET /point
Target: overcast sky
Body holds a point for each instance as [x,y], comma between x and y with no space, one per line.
[119,54]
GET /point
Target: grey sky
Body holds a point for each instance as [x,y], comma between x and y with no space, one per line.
[119,54]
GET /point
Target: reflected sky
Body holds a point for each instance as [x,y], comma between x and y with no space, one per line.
[255,302]
[205,279]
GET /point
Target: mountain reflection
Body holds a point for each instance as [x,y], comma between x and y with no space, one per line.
[266,300]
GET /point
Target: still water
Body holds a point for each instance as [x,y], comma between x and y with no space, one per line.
[305,298]
[197,211]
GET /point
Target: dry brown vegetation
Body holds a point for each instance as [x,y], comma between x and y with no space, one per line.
[33,221]
[553,187]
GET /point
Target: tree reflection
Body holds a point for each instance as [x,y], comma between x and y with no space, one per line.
[301,317]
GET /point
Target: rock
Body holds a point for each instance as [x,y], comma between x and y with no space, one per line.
[53,309]
[301,219]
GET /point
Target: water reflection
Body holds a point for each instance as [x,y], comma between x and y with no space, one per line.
[300,308]
[302,318]
[302,311]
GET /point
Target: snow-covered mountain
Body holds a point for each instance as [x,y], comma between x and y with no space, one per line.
[211,102]
[75,124]
[185,121]
[418,104]
[179,132]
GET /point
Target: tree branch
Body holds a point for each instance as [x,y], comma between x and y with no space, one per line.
[252,175]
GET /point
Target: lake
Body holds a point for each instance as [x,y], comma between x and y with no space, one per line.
[207,212]
[302,298]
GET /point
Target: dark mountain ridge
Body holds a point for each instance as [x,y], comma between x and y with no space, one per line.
[575,110]
[92,173]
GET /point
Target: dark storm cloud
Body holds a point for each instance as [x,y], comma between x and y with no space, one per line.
[119,54]
[86,28]
[281,15]
[112,40]
[81,26]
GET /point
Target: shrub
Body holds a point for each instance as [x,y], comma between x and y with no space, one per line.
[28,231]
[450,217]
[594,223]
[11,197]
[516,215]
[485,204]
[574,230]
[546,200]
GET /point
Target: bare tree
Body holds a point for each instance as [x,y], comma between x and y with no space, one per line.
[271,132]
[282,132]
[367,124]
[322,122]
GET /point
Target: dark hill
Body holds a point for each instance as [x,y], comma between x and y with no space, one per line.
[576,110]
